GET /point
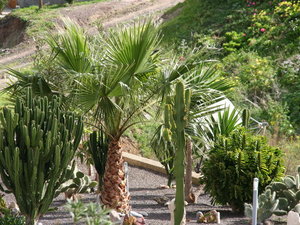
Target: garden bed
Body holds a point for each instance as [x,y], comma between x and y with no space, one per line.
[143,186]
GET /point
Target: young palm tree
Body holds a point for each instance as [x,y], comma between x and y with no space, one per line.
[118,92]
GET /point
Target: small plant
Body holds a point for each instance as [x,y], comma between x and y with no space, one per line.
[78,184]
[91,213]
[234,162]
[10,219]
[164,151]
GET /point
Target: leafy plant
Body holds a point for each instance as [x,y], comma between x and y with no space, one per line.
[234,162]
[90,213]
[10,219]
[37,142]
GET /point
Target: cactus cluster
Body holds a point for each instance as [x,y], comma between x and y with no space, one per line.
[279,198]
[175,122]
[37,143]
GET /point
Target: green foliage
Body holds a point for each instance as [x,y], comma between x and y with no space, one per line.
[98,148]
[70,48]
[234,162]
[37,143]
[256,42]
[3,4]
[164,151]
[10,219]
[90,214]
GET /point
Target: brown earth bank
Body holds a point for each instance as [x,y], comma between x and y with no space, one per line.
[108,13]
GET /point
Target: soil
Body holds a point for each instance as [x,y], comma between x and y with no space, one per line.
[144,187]
[107,13]
[12,31]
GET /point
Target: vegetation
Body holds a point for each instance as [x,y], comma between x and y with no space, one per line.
[256,49]
[2,5]
[90,214]
[175,123]
[37,143]
[279,198]
[234,162]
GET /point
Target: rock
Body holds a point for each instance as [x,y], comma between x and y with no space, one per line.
[293,218]
[114,216]
[145,214]
[198,215]
[163,186]
[210,217]
[161,200]
[135,214]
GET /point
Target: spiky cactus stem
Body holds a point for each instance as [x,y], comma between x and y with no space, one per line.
[188,171]
[114,194]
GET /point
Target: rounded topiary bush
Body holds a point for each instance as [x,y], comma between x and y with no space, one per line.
[233,163]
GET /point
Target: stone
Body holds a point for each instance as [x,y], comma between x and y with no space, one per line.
[135,214]
[163,186]
[145,214]
[210,217]
[293,218]
[114,216]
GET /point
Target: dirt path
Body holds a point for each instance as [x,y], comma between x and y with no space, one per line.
[107,13]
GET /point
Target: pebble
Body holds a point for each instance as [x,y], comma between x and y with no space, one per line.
[135,214]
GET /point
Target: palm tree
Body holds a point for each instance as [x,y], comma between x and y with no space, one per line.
[118,92]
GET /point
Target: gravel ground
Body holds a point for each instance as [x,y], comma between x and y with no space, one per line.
[144,187]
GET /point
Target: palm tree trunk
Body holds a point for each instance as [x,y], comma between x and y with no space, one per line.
[114,194]
[188,171]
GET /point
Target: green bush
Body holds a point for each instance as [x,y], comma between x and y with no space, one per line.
[234,162]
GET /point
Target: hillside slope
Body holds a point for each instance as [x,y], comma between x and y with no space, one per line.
[257,44]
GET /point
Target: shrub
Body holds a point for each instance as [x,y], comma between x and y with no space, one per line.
[234,162]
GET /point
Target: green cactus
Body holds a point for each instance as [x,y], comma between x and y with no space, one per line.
[78,184]
[37,143]
[285,197]
[175,123]
[98,147]
[267,205]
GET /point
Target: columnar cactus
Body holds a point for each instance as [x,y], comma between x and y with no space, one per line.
[37,143]
[98,147]
[175,123]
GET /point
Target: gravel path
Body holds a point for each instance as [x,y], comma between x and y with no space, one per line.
[143,189]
